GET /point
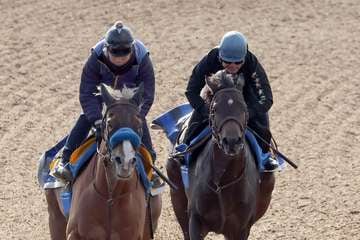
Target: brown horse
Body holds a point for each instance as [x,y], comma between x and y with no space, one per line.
[226,194]
[109,200]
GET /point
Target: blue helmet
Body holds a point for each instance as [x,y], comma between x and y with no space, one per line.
[233,47]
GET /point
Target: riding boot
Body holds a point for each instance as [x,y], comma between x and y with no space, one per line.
[62,170]
[77,135]
[157,184]
[146,140]
[261,126]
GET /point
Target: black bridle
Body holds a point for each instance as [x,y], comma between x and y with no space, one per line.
[104,127]
[107,160]
[216,127]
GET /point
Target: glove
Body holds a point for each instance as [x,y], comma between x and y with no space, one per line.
[98,131]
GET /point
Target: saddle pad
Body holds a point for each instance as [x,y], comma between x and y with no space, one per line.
[169,121]
[75,156]
[147,161]
[78,158]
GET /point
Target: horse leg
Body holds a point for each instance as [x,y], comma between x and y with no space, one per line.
[178,197]
[238,234]
[195,228]
[266,187]
[73,235]
[155,208]
[57,221]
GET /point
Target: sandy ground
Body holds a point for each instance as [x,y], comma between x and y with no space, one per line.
[309,48]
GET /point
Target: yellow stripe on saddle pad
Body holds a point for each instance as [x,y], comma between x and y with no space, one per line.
[80,150]
[147,161]
[54,163]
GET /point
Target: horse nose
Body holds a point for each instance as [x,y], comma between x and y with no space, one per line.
[231,141]
[129,164]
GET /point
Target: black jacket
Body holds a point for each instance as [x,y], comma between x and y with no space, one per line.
[257,91]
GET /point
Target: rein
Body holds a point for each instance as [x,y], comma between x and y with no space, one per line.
[106,159]
[219,188]
[215,186]
[216,127]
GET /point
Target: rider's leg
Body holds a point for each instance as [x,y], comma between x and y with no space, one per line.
[146,140]
[260,124]
[77,135]
[196,124]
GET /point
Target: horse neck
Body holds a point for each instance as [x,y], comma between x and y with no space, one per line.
[226,168]
[106,183]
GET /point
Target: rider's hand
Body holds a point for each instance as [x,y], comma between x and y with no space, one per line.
[98,132]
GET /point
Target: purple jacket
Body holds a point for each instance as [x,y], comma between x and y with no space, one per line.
[97,70]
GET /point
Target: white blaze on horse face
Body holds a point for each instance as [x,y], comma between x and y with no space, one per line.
[126,153]
[230,101]
[129,154]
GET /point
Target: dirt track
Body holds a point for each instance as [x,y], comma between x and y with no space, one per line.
[309,48]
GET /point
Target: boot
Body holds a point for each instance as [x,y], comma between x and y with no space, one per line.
[271,165]
[157,185]
[62,171]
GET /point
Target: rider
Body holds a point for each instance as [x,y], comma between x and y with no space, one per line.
[233,55]
[117,60]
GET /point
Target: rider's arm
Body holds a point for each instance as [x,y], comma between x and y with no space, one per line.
[261,100]
[146,74]
[90,79]
[204,68]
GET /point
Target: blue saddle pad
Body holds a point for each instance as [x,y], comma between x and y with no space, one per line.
[169,121]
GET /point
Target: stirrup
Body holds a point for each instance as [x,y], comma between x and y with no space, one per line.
[271,165]
[157,185]
[63,173]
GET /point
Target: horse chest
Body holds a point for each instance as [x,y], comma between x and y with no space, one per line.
[123,218]
[218,208]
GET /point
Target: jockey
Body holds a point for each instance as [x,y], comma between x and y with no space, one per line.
[118,60]
[233,55]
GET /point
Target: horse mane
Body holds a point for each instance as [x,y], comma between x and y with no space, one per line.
[216,82]
[207,95]
[124,93]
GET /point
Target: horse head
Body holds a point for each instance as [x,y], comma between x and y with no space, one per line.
[228,112]
[121,128]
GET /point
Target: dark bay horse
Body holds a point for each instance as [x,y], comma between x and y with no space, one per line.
[226,194]
[108,198]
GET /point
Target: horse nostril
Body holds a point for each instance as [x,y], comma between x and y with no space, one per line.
[225,141]
[118,159]
[133,161]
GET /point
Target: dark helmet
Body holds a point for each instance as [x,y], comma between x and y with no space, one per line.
[233,47]
[119,39]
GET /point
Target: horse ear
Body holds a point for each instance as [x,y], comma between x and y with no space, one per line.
[106,96]
[139,94]
[228,80]
[213,85]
